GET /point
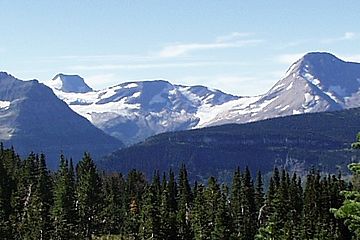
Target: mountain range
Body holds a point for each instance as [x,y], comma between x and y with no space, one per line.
[296,143]
[133,111]
[32,118]
[66,115]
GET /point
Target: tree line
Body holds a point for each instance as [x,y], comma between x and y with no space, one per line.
[81,202]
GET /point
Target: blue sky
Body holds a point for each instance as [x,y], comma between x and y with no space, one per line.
[241,47]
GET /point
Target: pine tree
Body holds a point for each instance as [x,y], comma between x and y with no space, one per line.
[63,211]
[5,197]
[88,194]
[38,202]
[150,213]
[235,202]
[259,196]
[113,213]
[185,199]
[134,191]
[200,220]
[223,223]
[168,230]
[249,227]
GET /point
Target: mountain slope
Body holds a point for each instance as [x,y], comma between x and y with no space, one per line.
[133,111]
[32,118]
[295,142]
[317,82]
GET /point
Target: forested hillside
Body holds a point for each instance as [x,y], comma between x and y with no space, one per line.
[297,143]
[83,203]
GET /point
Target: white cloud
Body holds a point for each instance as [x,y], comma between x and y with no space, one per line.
[350,58]
[233,40]
[233,36]
[99,81]
[241,85]
[289,58]
[155,65]
[345,37]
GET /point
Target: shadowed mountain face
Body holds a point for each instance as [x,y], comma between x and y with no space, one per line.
[133,111]
[297,143]
[32,118]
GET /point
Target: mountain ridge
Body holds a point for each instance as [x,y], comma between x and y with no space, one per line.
[133,111]
[34,119]
[297,143]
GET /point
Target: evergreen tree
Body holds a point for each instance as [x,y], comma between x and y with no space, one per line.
[63,211]
[223,223]
[168,230]
[236,201]
[200,216]
[113,213]
[5,197]
[248,205]
[89,197]
[150,213]
[350,209]
[184,206]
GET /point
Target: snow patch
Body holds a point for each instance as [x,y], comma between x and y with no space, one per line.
[308,97]
[290,86]
[296,112]
[130,85]
[4,105]
[284,108]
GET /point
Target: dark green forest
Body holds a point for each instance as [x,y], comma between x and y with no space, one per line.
[81,202]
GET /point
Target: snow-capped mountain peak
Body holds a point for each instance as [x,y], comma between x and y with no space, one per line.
[132,111]
[69,83]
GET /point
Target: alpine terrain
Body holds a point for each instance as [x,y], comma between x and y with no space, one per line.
[133,111]
[32,118]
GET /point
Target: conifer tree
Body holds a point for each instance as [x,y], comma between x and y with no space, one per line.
[259,198]
[113,212]
[39,202]
[150,213]
[248,205]
[223,222]
[235,201]
[63,211]
[5,195]
[185,199]
[89,197]
[200,221]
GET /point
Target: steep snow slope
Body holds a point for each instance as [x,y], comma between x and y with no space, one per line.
[32,118]
[315,83]
[135,110]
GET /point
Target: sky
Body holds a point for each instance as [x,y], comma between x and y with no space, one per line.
[238,46]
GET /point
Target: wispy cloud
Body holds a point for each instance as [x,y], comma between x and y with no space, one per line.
[236,84]
[289,58]
[233,40]
[155,65]
[350,58]
[101,80]
[345,37]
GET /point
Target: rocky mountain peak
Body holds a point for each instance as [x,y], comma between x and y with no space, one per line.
[69,83]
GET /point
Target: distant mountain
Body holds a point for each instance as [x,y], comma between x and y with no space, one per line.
[317,82]
[298,143]
[69,83]
[133,111]
[32,118]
